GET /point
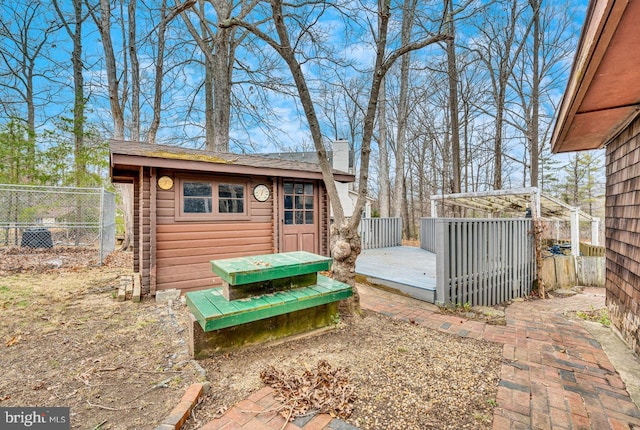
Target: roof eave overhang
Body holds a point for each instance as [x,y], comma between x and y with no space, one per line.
[121,163]
[602,96]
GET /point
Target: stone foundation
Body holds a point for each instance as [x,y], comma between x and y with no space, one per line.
[204,344]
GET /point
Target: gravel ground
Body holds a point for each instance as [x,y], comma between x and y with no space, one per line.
[405,376]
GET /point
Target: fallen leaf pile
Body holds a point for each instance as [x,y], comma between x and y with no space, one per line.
[34,260]
[323,389]
[119,259]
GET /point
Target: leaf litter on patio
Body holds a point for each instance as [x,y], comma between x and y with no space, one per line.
[404,376]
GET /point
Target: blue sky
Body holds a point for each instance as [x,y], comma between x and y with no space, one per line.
[182,81]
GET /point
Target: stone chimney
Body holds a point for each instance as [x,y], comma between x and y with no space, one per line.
[341,156]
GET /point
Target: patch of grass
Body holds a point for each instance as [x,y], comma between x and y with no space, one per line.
[145,323]
[597,315]
[402,350]
[479,416]
[465,307]
[175,382]
[18,298]
[492,403]
[335,319]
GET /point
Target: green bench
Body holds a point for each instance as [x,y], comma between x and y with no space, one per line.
[263,298]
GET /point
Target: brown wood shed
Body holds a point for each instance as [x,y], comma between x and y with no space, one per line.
[194,206]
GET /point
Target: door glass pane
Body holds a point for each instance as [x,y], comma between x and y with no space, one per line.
[308,217]
[308,188]
[308,202]
[288,202]
[288,187]
[299,217]
[298,202]
[288,217]
[299,188]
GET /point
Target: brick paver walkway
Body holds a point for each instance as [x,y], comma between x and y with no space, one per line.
[554,374]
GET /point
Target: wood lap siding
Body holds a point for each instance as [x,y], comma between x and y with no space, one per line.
[184,249]
[145,231]
[622,220]
[325,221]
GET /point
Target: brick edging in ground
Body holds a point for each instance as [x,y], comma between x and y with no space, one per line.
[179,415]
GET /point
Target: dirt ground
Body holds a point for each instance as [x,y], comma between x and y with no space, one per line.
[65,341]
[405,376]
[122,365]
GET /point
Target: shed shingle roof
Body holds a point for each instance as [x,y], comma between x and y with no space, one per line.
[126,155]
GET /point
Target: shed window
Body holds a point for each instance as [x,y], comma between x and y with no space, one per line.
[212,200]
[197,197]
[230,198]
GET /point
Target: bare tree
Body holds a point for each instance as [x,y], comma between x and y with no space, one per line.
[345,241]
[117,101]
[399,203]
[73,27]
[452,73]
[499,47]
[541,61]
[135,72]
[26,30]
[384,193]
[218,45]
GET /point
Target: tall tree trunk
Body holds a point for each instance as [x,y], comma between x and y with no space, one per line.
[452,69]
[209,103]
[383,175]
[78,91]
[406,220]
[535,95]
[497,142]
[399,194]
[74,30]
[222,74]
[159,75]
[135,73]
[104,26]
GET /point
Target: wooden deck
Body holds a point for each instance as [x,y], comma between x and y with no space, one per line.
[409,269]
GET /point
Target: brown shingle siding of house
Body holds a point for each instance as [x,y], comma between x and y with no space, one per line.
[623,233]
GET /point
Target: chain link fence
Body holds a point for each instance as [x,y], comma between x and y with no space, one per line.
[48,217]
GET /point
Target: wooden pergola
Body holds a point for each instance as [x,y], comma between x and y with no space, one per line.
[522,202]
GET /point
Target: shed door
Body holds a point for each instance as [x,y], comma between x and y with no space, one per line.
[300,216]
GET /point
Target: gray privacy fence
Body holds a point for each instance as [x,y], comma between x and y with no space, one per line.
[380,232]
[46,217]
[482,261]
[428,234]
